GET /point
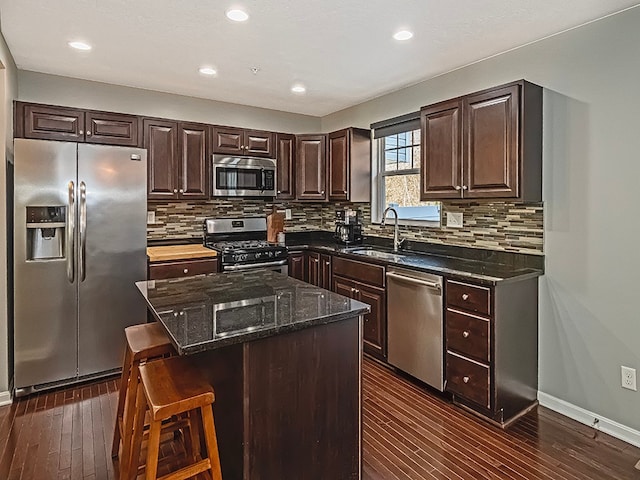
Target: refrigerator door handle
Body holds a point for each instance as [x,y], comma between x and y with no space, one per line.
[71,230]
[82,266]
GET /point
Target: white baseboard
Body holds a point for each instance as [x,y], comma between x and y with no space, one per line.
[586,417]
[5,398]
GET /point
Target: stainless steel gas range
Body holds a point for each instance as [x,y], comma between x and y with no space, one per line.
[242,244]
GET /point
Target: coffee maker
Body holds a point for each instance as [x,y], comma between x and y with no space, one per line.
[348,227]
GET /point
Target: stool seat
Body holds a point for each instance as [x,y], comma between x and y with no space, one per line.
[174,386]
[147,340]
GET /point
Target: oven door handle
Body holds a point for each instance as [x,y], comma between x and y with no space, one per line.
[247,266]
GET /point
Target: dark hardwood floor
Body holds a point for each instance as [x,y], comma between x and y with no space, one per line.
[408,434]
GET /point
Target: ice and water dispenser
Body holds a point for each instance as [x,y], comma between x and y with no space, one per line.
[45,232]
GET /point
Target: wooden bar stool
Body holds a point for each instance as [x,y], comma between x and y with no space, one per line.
[168,388]
[144,342]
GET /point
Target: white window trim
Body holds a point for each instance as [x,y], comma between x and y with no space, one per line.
[377,167]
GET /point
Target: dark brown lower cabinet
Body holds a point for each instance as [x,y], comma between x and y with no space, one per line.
[182,268]
[296,265]
[492,347]
[318,269]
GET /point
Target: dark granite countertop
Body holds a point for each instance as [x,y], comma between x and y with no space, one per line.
[207,312]
[490,272]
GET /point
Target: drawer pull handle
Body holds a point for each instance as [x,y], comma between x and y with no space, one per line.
[465,334]
[465,379]
[465,296]
[186,270]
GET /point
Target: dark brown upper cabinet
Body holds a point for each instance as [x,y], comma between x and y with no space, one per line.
[238,141]
[285,166]
[484,145]
[349,175]
[46,122]
[311,167]
[177,160]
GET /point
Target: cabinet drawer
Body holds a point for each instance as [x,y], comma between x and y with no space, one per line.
[362,272]
[472,298]
[159,271]
[468,335]
[468,379]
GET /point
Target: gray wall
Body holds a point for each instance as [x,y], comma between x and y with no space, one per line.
[589,318]
[57,90]
[8,92]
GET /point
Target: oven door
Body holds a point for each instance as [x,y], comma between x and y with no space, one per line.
[243,177]
[280,266]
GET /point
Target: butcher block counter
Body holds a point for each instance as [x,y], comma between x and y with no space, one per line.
[171,261]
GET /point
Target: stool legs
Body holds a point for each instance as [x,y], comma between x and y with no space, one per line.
[211,441]
[124,382]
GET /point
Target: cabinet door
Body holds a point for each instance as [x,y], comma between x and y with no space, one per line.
[491,154]
[228,140]
[285,165]
[161,142]
[375,323]
[296,265]
[312,272]
[112,129]
[325,275]
[343,287]
[441,132]
[259,144]
[194,162]
[311,167]
[53,123]
[339,165]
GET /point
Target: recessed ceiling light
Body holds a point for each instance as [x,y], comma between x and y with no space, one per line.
[80,46]
[207,70]
[237,15]
[403,35]
[298,88]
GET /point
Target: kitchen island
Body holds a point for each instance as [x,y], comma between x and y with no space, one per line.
[284,358]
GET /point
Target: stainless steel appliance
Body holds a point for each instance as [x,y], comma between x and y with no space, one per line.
[414,324]
[243,176]
[79,246]
[348,227]
[242,244]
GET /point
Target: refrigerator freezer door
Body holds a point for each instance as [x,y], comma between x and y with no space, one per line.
[112,209]
[45,318]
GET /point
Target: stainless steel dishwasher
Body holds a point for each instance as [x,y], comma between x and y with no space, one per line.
[414,324]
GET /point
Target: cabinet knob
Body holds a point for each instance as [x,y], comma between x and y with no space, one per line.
[465,379]
[181,190]
[88,133]
[465,296]
[458,187]
[464,187]
[279,192]
[181,313]
[357,291]
[327,263]
[322,192]
[186,270]
[175,190]
[175,314]
[81,132]
[465,334]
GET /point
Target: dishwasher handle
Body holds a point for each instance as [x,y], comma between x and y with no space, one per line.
[415,281]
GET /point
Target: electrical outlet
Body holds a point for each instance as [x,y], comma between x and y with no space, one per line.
[454,220]
[628,378]
[287,214]
[151,217]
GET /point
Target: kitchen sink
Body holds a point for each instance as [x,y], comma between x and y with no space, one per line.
[394,257]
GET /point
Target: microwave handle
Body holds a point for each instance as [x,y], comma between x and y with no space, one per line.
[264,183]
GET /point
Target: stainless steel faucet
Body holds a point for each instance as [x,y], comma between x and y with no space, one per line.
[396,242]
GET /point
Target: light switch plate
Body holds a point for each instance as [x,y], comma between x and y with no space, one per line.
[151,217]
[287,214]
[454,220]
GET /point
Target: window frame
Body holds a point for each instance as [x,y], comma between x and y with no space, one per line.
[378,174]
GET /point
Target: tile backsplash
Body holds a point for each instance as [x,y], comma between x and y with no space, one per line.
[491,225]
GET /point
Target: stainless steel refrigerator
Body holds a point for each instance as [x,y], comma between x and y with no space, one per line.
[79,247]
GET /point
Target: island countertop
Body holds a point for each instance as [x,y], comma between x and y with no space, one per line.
[216,310]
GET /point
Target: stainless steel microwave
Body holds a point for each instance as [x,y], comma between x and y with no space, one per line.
[243,176]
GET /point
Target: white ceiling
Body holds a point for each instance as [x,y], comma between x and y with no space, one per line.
[341,50]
